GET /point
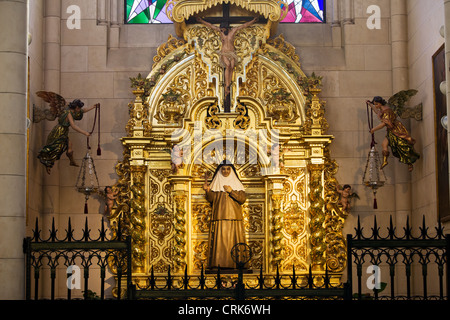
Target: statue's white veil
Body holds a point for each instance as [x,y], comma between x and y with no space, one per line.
[218,180]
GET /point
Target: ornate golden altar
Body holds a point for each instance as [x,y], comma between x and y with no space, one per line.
[292,217]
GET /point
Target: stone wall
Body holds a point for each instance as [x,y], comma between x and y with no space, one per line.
[13,138]
[424,40]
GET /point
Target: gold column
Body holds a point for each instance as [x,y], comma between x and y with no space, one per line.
[179,256]
[137,218]
[317,143]
[135,144]
[275,185]
[180,193]
[317,217]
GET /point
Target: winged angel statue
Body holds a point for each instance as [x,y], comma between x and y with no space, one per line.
[397,136]
[58,139]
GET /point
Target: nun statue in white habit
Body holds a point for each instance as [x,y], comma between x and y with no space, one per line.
[226,195]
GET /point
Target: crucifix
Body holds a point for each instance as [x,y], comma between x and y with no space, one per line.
[228,57]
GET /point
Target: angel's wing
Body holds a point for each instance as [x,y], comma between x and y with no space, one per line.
[354,195]
[397,101]
[56,102]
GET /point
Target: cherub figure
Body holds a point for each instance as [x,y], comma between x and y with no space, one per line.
[58,139]
[228,57]
[346,196]
[110,198]
[276,153]
[177,158]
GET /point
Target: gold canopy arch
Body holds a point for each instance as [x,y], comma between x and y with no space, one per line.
[292,217]
[179,11]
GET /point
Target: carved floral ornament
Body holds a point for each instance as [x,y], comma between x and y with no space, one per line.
[281,106]
[172,105]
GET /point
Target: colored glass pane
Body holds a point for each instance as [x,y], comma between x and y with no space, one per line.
[154,11]
[146,11]
[305,11]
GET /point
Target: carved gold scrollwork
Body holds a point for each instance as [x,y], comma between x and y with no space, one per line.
[166,48]
[285,47]
[253,218]
[201,214]
[160,174]
[199,171]
[242,121]
[250,86]
[257,249]
[246,43]
[212,121]
[252,170]
[201,87]
[208,42]
[294,220]
[161,223]
[200,250]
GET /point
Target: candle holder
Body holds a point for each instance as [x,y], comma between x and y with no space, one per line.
[87,181]
[374,177]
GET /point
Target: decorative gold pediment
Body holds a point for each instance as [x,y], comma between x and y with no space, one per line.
[273,10]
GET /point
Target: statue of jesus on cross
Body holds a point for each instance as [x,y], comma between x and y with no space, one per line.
[228,55]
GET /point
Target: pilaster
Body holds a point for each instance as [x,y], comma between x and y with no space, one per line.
[13,92]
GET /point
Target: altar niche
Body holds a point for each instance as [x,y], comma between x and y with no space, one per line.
[178,131]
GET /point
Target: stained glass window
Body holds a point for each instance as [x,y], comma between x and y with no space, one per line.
[305,11]
[154,11]
[146,11]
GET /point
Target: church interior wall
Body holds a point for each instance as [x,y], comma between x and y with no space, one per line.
[424,40]
[36,130]
[97,60]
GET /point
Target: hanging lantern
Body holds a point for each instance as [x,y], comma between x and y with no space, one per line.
[87,182]
[374,177]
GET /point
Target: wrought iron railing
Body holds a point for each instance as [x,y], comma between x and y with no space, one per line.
[412,266]
[222,284]
[85,253]
[399,255]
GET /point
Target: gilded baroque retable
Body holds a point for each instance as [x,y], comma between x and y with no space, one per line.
[292,216]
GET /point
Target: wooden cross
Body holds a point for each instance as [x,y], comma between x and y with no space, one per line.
[226,20]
